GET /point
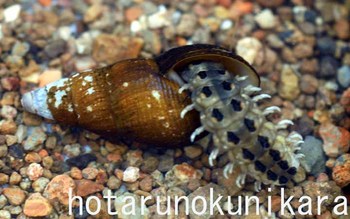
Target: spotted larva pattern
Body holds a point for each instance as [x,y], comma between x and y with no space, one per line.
[237,126]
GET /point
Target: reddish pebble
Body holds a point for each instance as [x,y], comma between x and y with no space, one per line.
[86,187]
[59,187]
[336,139]
[37,206]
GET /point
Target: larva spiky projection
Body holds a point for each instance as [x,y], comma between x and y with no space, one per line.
[133,99]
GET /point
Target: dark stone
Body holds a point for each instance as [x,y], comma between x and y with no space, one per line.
[16,151]
[328,66]
[81,161]
[310,16]
[326,46]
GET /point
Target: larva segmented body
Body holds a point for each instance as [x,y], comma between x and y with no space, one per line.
[229,112]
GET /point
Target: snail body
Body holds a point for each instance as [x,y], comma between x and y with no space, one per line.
[185,94]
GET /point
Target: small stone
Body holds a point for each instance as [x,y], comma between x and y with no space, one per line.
[3,178]
[131,174]
[4,214]
[20,48]
[11,13]
[146,184]
[328,66]
[34,171]
[326,45]
[187,25]
[166,162]
[31,119]
[345,100]
[114,183]
[289,84]
[10,83]
[193,151]
[90,173]
[81,161]
[49,76]
[8,127]
[8,112]
[205,193]
[341,170]
[336,139]
[32,157]
[58,188]
[266,19]
[93,12]
[76,173]
[15,178]
[55,48]
[133,13]
[16,151]
[303,50]
[3,150]
[37,206]
[14,195]
[309,66]
[110,48]
[315,159]
[11,140]
[40,184]
[3,201]
[342,28]
[308,84]
[86,187]
[35,139]
[248,48]
[343,76]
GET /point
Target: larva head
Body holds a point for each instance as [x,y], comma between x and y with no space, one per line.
[128,99]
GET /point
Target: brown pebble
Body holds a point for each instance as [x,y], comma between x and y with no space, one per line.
[76,173]
[86,187]
[15,178]
[4,178]
[146,184]
[308,84]
[89,173]
[58,188]
[342,28]
[37,206]
[14,195]
[8,127]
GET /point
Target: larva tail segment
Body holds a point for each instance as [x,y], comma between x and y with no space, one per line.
[239,128]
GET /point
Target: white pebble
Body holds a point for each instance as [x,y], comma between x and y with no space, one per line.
[266,19]
[248,48]
[11,13]
[226,24]
[131,174]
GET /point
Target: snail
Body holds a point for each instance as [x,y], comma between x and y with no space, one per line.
[185,94]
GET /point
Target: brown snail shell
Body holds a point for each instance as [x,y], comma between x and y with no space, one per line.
[131,98]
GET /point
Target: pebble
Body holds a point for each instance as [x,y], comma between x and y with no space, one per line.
[270,3]
[15,178]
[34,171]
[341,170]
[7,127]
[342,28]
[131,174]
[326,46]
[58,188]
[40,184]
[110,48]
[93,12]
[81,161]
[90,173]
[193,151]
[166,162]
[35,139]
[55,48]
[345,100]
[343,76]
[303,50]
[114,182]
[11,13]
[11,140]
[289,84]
[315,159]
[266,19]
[308,84]
[248,48]
[49,76]
[4,214]
[14,195]
[3,178]
[3,201]
[86,187]
[328,66]
[336,139]
[205,193]
[8,112]
[187,25]
[37,206]
[10,83]
[150,164]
